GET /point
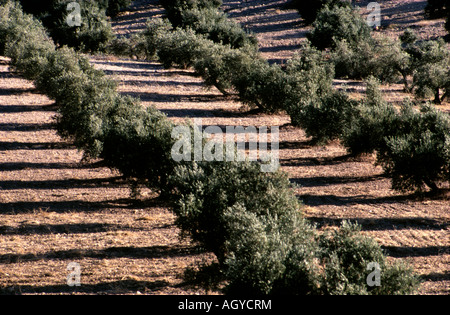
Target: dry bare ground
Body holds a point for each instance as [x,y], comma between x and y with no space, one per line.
[55,209]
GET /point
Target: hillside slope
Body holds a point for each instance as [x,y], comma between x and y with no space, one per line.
[55,210]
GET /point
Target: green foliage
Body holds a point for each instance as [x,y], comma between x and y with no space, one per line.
[154,35]
[270,88]
[205,17]
[273,255]
[241,70]
[352,62]
[326,118]
[380,57]
[346,255]
[206,191]
[279,256]
[216,26]
[138,143]
[310,78]
[30,58]
[428,62]
[24,41]
[174,8]
[249,219]
[66,63]
[412,146]
[83,96]
[432,71]
[181,48]
[93,34]
[261,85]
[125,47]
[373,120]
[175,47]
[310,9]
[419,156]
[408,37]
[338,23]
[217,66]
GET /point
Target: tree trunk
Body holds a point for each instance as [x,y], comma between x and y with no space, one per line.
[405,82]
[221,90]
[446,95]
[437,98]
[432,185]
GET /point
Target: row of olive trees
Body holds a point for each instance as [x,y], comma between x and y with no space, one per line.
[423,66]
[304,87]
[411,145]
[251,220]
[309,10]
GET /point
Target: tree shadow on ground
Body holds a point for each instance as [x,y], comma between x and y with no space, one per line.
[106,253]
[102,288]
[384,224]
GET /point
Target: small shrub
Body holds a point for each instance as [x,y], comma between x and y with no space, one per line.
[134,46]
[204,17]
[154,35]
[411,146]
[138,143]
[120,46]
[181,48]
[215,68]
[310,77]
[261,85]
[346,254]
[205,191]
[419,156]
[411,59]
[390,62]
[271,89]
[66,61]
[175,8]
[352,62]
[234,70]
[326,118]
[408,37]
[279,256]
[270,255]
[216,26]
[30,58]
[338,23]
[373,120]
[310,9]
[94,33]
[380,57]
